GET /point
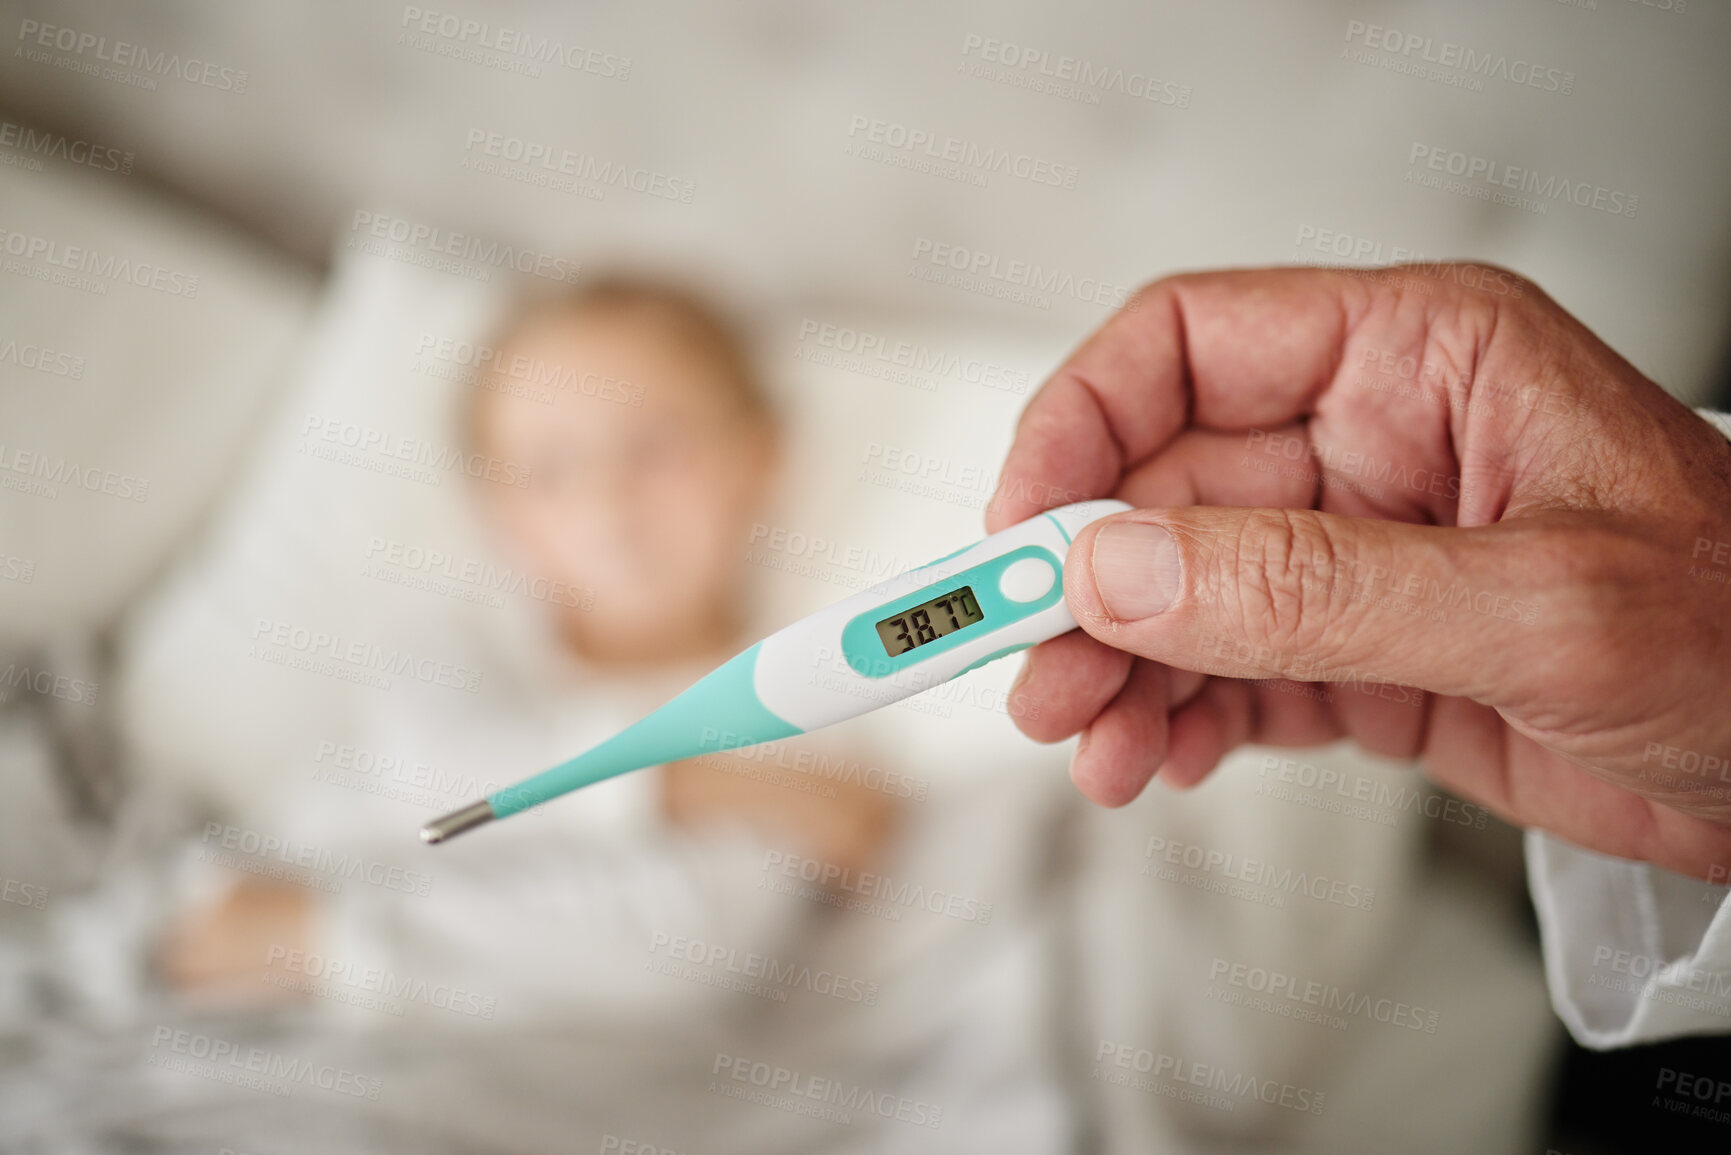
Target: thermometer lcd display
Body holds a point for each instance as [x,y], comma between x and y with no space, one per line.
[929,621]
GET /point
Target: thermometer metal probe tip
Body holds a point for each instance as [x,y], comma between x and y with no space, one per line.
[457,821]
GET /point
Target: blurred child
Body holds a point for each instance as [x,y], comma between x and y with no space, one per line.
[646,506]
[646,473]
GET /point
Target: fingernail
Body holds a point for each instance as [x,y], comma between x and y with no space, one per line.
[1136,569]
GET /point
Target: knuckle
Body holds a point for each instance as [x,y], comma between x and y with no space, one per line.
[1279,572]
[1604,585]
[1595,625]
[1602,607]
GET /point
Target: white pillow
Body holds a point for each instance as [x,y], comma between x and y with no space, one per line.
[123,406]
[204,697]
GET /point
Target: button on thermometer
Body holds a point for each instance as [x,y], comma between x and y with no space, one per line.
[901,636]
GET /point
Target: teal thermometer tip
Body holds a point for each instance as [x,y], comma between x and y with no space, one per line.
[902,636]
[720,711]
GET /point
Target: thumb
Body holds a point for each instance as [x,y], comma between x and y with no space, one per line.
[1315,597]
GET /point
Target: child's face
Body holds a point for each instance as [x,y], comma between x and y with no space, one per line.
[646,505]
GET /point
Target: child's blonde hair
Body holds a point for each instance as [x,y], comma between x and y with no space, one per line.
[684,312]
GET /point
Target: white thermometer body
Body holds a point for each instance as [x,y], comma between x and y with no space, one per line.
[925,626]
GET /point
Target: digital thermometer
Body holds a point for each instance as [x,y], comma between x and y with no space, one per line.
[904,635]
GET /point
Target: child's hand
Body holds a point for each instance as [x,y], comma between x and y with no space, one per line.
[220,953]
[840,823]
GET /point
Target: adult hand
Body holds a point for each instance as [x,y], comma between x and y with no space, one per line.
[1504,549]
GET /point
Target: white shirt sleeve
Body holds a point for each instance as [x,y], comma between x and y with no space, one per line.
[1633,954]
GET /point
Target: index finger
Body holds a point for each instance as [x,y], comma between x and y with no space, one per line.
[1230,351]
